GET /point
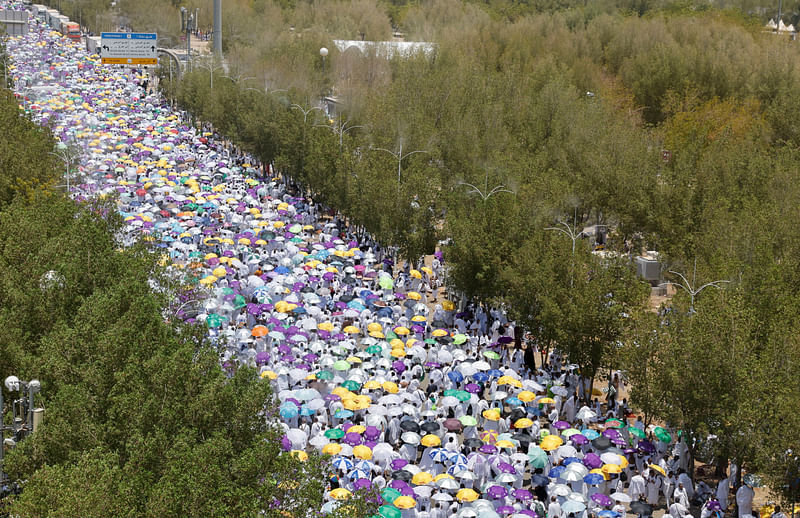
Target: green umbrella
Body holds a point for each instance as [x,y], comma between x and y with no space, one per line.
[391,336]
[390,494]
[325,375]
[227,291]
[386,282]
[374,349]
[462,395]
[569,432]
[239,302]
[662,434]
[389,511]
[449,392]
[537,457]
[613,423]
[351,385]
[213,320]
[334,433]
[296,229]
[636,432]
[468,420]
[296,240]
[459,339]
[491,355]
[195,255]
[341,365]
[430,341]
[190,206]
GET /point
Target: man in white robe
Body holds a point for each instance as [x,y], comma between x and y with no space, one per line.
[637,487]
[653,490]
[744,499]
[722,493]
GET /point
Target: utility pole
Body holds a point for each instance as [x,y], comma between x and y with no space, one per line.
[218,28]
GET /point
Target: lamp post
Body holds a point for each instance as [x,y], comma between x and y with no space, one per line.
[339,128]
[22,423]
[68,154]
[485,194]
[305,112]
[688,287]
[399,156]
[210,67]
[323,51]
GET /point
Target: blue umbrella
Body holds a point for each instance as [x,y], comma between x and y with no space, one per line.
[455,376]
[342,463]
[495,373]
[288,410]
[570,460]
[343,414]
[557,471]
[608,514]
[514,401]
[282,270]
[573,506]
[481,377]
[590,434]
[594,479]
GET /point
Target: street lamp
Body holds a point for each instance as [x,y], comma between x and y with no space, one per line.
[485,194]
[306,112]
[69,154]
[399,156]
[687,287]
[210,67]
[22,411]
[323,51]
[339,128]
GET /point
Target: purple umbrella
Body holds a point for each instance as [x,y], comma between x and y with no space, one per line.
[646,446]
[578,439]
[497,492]
[332,397]
[399,366]
[602,499]
[561,425]
[522,494]
[372,432]
[505,467]
[611,433]
[398,464]
[286,444]
[488,449]
[506,509]
[592,461]
[262,357]
[473,388]
[353,439]
[362,483]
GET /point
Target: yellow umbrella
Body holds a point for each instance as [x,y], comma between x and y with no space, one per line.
[340,493]
[353,359]
[413,295]
[546,401]
[405,502]
[299,455]
[396,343]
[390,387]
[325,326]
[523,423]
[427,270]
[371,384]
[430,440]
[440,476]
[505,443]
[467,495]
[415,274]
[351,330]
[402,331]
[362,452]
[374,326]
[343,393]
[600,472]
[655,467]
[377,334]
[551,442]
[439,332]
[448,305]
[508,380]
[422,478]
[526,396]
[356,428]
[611,468]
[269,374]
[219,271]
[398,353]
[332,449]
[492,414]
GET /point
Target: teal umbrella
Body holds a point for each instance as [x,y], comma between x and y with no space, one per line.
[537,457]
[351,385]
[325,375]
[334,433]
[213,320]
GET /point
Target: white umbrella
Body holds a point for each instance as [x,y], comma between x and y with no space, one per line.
[585,414]
[445,497]
[611,458]
[621,497]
